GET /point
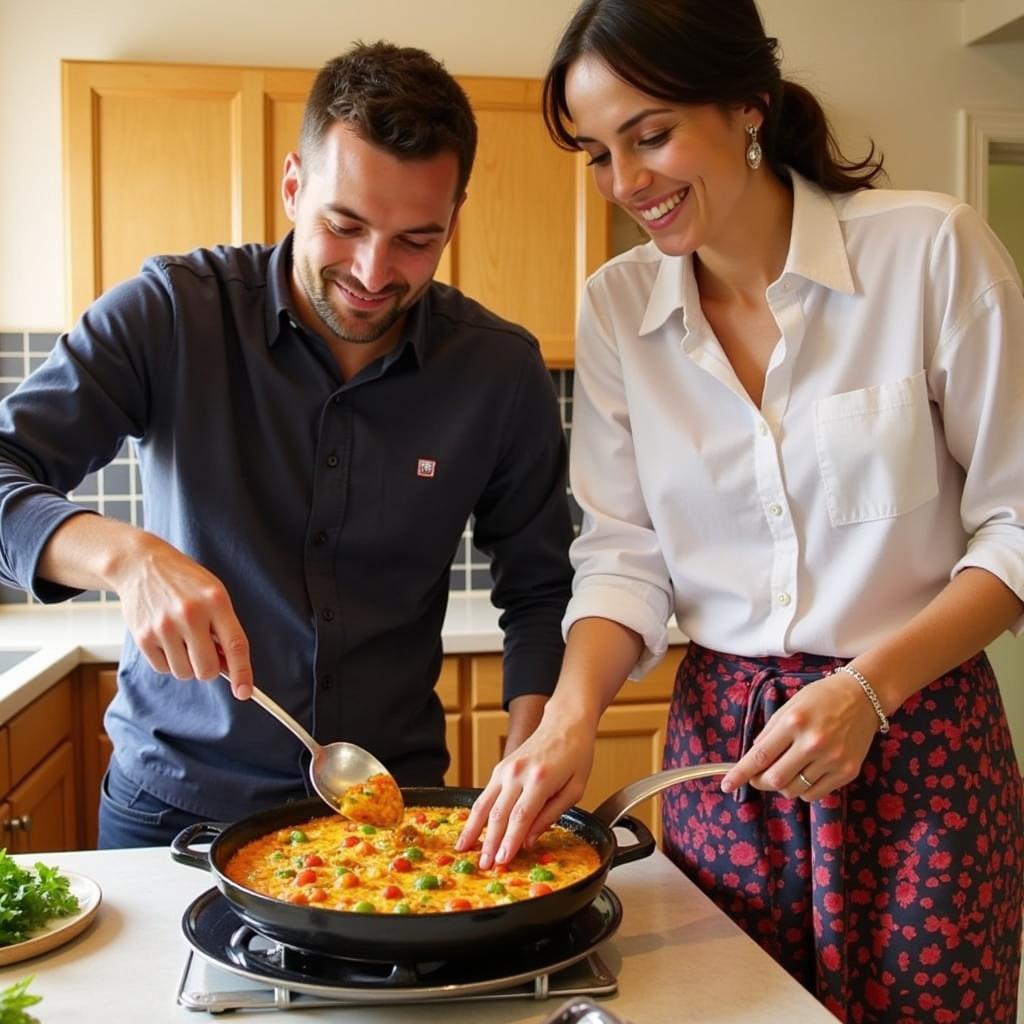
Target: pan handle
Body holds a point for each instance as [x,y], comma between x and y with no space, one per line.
[643,847]
[612,809]
[181,844]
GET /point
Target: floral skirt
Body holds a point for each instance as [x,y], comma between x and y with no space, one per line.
[895,899]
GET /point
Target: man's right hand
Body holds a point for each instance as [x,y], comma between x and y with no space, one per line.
[179,613]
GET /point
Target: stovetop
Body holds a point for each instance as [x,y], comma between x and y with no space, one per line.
[230,966]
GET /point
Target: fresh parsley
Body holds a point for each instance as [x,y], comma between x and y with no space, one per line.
[14,1001]
[29,899]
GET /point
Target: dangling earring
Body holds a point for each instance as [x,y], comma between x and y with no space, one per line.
[754,153]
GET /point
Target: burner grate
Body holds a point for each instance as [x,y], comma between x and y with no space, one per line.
[205,986]
[232,967]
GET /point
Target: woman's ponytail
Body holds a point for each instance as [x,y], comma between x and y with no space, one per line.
[797,133]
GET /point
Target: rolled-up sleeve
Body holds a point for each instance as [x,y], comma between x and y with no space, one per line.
[620,573]
[976,377]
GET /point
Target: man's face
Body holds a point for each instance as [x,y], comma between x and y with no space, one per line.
[369,232]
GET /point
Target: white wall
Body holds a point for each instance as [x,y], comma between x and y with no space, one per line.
[895,69]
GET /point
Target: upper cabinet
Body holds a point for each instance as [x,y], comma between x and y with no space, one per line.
[165,158]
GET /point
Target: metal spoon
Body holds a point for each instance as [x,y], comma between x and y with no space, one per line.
[335,768]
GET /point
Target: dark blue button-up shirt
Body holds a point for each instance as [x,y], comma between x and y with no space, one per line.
[331,510]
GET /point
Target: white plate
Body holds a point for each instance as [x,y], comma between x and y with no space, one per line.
[60,929]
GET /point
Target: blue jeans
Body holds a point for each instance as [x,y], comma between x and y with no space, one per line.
[129,816]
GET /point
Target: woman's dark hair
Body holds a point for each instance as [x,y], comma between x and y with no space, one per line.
[698,52]
[398,98]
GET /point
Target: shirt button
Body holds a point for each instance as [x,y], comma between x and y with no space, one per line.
[775,508]
[327,615]
[762,428]
[320,537]
[332,461]
[783,598]
[325,683]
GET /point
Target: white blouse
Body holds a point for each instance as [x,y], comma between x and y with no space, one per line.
[888,453]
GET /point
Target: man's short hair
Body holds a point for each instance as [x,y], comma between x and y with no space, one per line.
[398,98]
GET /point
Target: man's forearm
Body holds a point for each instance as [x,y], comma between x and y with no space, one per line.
[89,551]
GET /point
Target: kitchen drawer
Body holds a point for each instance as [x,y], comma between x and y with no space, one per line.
[39,728]
[447,687]
[654,688]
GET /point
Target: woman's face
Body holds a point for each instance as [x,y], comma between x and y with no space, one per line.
[678,170]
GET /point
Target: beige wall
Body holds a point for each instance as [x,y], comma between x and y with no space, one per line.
[892,68]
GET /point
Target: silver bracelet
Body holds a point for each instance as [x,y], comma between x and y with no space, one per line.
[871,695]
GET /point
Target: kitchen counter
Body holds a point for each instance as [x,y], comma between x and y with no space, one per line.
[677,957]
[64,636]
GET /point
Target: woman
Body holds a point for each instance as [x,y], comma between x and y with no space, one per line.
[797,426]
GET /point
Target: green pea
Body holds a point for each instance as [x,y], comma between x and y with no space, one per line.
[363,907]
[539,874]
[426,882]
[496,889]
[367,830]
[401,908]
[413,853]
[464,867]
[285,873]
[341,871]
[277,855]
[298,836]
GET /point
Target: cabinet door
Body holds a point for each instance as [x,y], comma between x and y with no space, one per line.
[630,744]
[97,686]
[167,157]
[42,807]
[533,226]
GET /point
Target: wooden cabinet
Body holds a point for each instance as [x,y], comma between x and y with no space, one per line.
[53,754]
[39,800]
[97,685]
[167,157]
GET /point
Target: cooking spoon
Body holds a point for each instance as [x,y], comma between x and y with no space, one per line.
[345,775]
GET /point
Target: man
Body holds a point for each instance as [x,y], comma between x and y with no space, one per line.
[316,422]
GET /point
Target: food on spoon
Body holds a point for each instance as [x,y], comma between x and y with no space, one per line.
[377,801]
[341,865]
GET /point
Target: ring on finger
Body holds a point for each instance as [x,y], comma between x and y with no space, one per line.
[806,781]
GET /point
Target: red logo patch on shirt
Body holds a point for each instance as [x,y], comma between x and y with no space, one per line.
[426,468]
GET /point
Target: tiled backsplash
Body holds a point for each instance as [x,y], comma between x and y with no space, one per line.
[116,489]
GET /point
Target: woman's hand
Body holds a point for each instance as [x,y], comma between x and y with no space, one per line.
[812,745]
[530,788]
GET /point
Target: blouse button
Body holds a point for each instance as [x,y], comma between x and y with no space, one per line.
[775,508]
[762,428]
[332,461]
[784,599]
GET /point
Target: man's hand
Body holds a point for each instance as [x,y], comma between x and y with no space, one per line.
[179,613]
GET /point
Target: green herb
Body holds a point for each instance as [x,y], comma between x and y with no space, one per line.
[29,899]
[14,1000]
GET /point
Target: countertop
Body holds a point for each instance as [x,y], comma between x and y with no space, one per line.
[67,635]
[677,957]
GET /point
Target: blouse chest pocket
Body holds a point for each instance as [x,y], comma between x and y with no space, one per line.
[876,450]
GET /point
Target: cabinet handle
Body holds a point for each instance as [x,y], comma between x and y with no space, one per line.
[23,824]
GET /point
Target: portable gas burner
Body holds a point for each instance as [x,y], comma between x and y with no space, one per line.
[232,967]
